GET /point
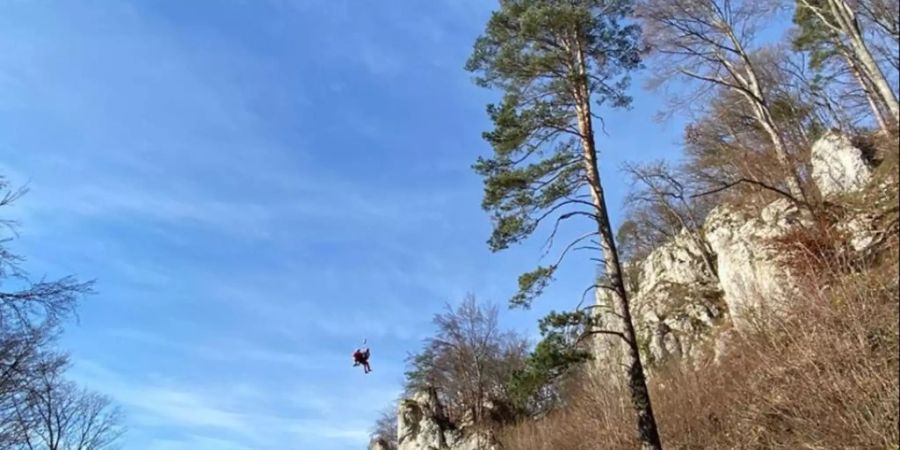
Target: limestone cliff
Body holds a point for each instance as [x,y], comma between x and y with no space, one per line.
[678,304]
[688,293]
[677,300]
[422,425]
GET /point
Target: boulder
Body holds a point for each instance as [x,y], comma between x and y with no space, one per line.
[838,167]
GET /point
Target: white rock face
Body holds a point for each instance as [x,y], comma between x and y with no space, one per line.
[837,166]
[678,300]
[840,168]
[679,261]
[679,303]
[862,231]
[422,425]
[749,268]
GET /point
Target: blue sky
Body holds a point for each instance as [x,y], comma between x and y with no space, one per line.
[257,186]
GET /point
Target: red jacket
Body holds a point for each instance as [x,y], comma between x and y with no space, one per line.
[361,356]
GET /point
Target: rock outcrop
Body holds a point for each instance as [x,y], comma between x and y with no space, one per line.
[688,295]
[423,425]
[681,303]
[749,268]
[838,166]
[678,300]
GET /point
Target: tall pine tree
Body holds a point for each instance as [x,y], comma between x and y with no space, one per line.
[554,60]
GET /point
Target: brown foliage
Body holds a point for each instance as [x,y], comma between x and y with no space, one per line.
[385,429]
[823,374]
[468,361]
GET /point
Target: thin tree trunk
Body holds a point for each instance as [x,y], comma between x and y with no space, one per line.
[870,95]
[637,383]
[872,70]
[752,90]
[848,25]
[765,119]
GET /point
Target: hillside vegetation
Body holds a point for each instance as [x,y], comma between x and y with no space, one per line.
[750,297]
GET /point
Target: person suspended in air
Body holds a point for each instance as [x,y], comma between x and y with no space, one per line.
[361,357]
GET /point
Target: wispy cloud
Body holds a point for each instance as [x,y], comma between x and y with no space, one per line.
[239,352]
[258,187]
[159,403]
[233,416]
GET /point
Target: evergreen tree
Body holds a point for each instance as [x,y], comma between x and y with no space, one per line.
[535,388]
[554,60]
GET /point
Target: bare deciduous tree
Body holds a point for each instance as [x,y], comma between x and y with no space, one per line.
[827,45]
[840,22]
[385,429]
[881,24]
[711,41]
[835,99]
[661,205]
[22,357]
[55,414]
[469,360]
[39,410]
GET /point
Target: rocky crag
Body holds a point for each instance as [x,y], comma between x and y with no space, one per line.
[691,293]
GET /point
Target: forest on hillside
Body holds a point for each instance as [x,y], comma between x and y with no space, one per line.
[771,88]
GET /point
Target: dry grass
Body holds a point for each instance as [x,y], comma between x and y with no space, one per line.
[596,412]
[824,375]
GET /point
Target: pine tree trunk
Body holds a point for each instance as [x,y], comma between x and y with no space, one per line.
[637,383]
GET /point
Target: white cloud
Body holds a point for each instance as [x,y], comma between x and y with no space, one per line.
[239,352]
[159,403]
[233,416]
